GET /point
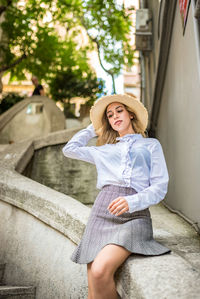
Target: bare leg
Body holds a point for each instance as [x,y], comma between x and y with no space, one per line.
[101,272]
[90,293]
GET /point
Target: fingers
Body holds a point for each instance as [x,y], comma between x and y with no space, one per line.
[114,202]
[122,212]
[118,206]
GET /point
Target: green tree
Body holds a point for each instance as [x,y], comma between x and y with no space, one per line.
[8,101]
[68,84]
[108,26]
[112,25]
[32,43]
[31,40]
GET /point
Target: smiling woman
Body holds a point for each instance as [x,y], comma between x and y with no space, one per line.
[132,176]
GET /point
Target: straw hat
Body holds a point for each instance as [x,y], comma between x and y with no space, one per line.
[98,109]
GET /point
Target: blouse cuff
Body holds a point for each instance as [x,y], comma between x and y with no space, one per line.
[92,131]
[133,203]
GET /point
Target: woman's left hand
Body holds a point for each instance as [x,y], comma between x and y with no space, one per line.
[118,206]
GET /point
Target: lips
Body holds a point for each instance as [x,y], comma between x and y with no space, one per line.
[118,122]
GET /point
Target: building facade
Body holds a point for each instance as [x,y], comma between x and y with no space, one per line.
[171,92]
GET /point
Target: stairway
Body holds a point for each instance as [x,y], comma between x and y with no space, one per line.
[14,292]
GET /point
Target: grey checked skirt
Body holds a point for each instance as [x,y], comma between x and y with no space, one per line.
[132,231]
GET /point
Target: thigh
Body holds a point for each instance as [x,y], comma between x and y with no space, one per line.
[111,257]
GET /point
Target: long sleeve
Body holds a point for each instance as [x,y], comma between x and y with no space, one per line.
[76,147]
[158,183]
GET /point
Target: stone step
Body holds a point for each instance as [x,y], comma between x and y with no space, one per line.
[17,292]
[2,270]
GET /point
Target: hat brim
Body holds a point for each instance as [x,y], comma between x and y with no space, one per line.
[98,109]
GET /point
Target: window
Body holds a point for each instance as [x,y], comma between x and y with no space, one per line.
[34,108]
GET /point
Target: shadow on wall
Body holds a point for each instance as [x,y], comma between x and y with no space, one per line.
[32,117]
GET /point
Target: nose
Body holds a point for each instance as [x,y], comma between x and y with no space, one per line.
[115,114]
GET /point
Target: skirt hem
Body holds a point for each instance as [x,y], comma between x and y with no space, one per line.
[137,252]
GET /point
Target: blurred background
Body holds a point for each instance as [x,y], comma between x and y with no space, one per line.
[77,50]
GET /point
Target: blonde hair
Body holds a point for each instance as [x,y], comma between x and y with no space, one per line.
[106,134]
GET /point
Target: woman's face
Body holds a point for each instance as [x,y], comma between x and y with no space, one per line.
[119,118]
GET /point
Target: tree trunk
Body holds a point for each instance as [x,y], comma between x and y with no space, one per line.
[1,84]
[94,40]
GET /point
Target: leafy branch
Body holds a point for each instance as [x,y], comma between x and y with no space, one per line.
[95,40]
[4,7]
[17,61]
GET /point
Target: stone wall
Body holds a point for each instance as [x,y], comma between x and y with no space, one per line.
[24,125]
[38,255]
[30,118]
[75,178]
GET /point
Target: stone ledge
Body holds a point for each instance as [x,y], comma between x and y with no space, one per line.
[58,210]
[22,291]
[51,110]
[55,138]
[17,155]
[168,276]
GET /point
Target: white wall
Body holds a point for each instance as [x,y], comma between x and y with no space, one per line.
[179,120]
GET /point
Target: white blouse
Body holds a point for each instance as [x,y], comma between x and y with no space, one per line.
[134,161]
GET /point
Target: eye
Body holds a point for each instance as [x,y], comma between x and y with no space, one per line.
[109,115]
[120,110]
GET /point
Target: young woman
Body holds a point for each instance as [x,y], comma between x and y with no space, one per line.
[132,176]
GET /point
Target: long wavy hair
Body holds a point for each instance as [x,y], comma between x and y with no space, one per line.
[106,134]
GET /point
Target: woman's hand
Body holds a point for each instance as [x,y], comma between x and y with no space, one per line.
[118,206]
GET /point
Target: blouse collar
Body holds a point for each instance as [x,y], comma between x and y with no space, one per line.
[128,137]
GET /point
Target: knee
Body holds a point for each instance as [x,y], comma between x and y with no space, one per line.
[100,272]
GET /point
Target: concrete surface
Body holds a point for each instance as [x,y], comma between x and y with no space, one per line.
[2,270]
[3,147]
[38,255]
[17,292]
[75,178]
[174,275]
[31,117]
[14,292]
[73,123]
[39,228]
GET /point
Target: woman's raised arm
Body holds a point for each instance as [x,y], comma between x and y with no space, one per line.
[76,147]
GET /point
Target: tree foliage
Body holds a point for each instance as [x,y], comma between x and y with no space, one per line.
[8,101]
[112,28]
[70,84]
[32,40]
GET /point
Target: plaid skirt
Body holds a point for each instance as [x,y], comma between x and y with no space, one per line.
[132,231]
